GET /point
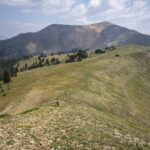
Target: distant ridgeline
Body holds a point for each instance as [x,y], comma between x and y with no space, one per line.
[14,65]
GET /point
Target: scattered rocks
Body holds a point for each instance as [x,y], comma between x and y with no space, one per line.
[52,128]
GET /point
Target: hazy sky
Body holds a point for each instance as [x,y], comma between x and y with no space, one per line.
[18,16]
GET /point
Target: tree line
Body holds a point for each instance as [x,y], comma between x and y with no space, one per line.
[41,62]
[77,57]
[8,67]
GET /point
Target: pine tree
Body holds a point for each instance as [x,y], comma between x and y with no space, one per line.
[47,62]
[6,76]
[53,60]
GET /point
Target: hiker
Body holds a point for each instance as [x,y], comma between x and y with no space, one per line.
[57,103]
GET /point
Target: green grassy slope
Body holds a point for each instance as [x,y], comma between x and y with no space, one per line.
[105,99]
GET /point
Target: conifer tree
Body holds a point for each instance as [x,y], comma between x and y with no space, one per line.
[6,76]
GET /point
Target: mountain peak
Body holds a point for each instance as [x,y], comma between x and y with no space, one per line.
[59,37]
[105,23]
[98,27]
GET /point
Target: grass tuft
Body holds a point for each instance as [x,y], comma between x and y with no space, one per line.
[4,115]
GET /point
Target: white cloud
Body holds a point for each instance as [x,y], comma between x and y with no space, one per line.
[95,3]
[118,4]
[29,11]
[78,13]
[56,6]
[82,20]
[123,12]
[129,13]
[110,9]
[19,3]
[79,10]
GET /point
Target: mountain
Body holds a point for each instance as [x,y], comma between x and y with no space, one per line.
[104,104]
[58,38]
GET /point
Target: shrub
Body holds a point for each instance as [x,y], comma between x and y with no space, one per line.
[113,47]
[4,115]
[15,74]
[53,59]
[43,60]
[39,58]
[82,54]
[79,59]
[106,48]
[47,62]
[110,48]
[26,65]
[117,55]
[57,61]
[99,51]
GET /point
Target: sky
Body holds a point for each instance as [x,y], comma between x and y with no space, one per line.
[20,16]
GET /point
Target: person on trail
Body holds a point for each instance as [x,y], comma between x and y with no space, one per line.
[57,103]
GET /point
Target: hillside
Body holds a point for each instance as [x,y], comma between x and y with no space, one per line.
[104,104]
[58,38]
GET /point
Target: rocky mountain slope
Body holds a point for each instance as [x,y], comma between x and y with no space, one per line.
[70,126]
[58,38]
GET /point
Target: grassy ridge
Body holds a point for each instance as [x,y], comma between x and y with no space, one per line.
[113,92]
[103,81]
